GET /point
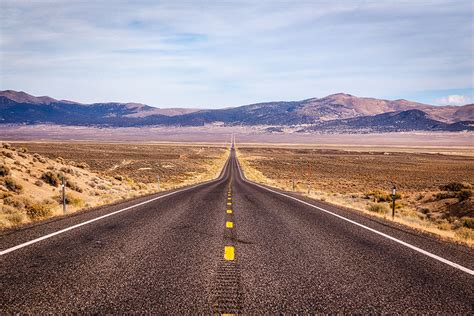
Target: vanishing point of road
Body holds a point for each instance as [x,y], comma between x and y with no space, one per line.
[230,246]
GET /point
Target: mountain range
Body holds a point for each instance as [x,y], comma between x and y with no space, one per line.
[334,113]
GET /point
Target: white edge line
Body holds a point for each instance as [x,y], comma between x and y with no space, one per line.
[33,241]
[426,253]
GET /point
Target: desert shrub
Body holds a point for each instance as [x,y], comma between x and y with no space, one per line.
[18,202]
[82,165]
[469,223]
[379,196]
[444,195]
[51,178]
[73,200]
[5,194]
[39,210]
[378,208]
[39,158]
[464,194]
[419,196]
[141,186]
[12,185]
[465,233]
[16,218]
[73,186]
[4,171]
[453,186]
[67,170]
[424,210]
[444,226]
[60,160]
[23,150]
[102,187]
[6,145]
[119,178]
[39,183]
[7,154]
[22,155]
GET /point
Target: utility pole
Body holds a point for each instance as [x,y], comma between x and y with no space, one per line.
[63,189]
[394,194]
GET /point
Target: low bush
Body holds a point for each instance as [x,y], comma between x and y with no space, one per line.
[6,145]
[16,217]
[39,210]
[5,194]
[12,185]
[454,186]
[379,196]
[444,226]
[72,199]
[39,183]
[464,194]
[465,233]
[73,186]
[82,165]
[8,154]
[378,208]
[51,178]
[119,178]
[469,223]
[4,171]
[39,158]
[16,201]
[444,195]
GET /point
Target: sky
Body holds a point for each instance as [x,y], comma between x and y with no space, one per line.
[215,54]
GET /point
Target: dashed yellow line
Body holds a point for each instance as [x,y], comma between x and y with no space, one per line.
[229,224]
[228,203]
[229,211]
[229,253]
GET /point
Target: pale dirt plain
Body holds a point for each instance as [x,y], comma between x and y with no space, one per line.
[355,171]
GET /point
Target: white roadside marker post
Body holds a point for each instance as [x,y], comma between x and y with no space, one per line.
[394,193]
[158,177]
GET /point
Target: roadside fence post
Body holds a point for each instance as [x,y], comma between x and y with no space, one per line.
[394,193]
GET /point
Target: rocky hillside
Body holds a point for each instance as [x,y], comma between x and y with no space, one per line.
[30,186]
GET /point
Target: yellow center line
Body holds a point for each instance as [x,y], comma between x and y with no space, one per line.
[229,253]
[229,224]
[229,211]
[228,203]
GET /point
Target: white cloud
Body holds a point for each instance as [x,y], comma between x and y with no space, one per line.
[215,54]
[454,99]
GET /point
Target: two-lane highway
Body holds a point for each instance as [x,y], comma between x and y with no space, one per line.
[230,246]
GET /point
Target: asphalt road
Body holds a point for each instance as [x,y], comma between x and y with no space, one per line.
[179,254]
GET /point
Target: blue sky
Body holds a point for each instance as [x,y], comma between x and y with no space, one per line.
[213,54]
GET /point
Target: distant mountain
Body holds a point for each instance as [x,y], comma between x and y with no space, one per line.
[334,112]
[410,120]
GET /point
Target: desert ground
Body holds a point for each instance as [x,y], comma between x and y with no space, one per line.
[434,185]
[221,135]
[95,174]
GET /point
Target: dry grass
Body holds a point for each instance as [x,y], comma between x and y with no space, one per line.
[363,181]
[94,174]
